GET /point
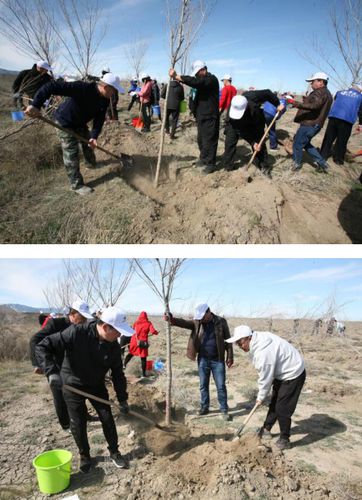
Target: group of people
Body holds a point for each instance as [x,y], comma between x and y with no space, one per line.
[76,351]
[244,116]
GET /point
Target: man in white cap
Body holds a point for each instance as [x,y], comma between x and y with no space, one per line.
[280,366]
[29,81]
[86,101]
[245,120]
[206,111]
[311,115]
[78,314]
[207,345]
[227,93]
[89,350]
[346,108]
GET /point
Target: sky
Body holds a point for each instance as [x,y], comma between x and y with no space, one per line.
[255,41]
[286,288]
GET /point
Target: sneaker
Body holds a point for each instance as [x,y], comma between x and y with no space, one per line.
[83,190]
[321,168]
[119,461]
[339,162]
[91,166]
[226,417]
[264,433]
[199,163]
[295,167]
[209,169]
[67,429]
[85,463]
[203,411]
[283,444]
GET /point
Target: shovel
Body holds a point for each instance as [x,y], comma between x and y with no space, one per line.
[244,170]
[123,158]
[112,403]
[240,429]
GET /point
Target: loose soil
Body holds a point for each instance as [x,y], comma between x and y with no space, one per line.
[196,457]
[187,207]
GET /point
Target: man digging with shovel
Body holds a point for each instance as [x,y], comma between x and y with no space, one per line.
[279,365]
[89,350]
[86,101]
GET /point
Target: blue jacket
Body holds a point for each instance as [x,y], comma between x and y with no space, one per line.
[84,103]
[347,106]
[270,109]
[134,87]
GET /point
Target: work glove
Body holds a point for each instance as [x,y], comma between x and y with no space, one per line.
[124,408]
[55,381]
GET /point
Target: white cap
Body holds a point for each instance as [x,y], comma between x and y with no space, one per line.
[200,311]
[44,65]
[240,332]
[83,308]
[318,76]
[106,69]
[53,315]
[134,79]
[196,66]
[143,76]
[113,81]
[227,77]
[116,318]
[238,107]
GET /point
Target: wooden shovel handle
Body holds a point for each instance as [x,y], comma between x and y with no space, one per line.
[263,139]
[248,417]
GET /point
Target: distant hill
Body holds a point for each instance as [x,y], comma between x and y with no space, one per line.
[21,308]
[8,72]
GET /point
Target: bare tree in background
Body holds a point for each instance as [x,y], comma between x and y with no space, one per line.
[98,282]
[135,52]
[185,18]
[80,32]
[162,282]
[28,26]
[345,64]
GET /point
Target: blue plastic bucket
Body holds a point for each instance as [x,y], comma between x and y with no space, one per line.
[17,116]
[156,110]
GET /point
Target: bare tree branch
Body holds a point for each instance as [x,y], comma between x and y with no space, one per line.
[135,52]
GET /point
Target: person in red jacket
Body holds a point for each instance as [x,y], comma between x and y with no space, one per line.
[139,341]
[227,93]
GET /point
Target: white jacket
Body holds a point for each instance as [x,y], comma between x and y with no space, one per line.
[273,358]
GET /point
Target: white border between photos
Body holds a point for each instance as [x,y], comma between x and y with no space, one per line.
[185,251]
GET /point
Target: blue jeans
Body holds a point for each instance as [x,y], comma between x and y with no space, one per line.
[217,368]
[302,140]
[273,141]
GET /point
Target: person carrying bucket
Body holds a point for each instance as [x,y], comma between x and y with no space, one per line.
[90,350]
[139,341]
[29,81]
[78,314]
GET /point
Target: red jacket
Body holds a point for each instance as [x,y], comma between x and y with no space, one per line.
[142,328]
[227,93]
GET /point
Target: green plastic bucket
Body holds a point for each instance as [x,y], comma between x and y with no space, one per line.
[53,470]
[183,107]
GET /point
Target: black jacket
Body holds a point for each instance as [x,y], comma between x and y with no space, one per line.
[87,358]
[85,103]
[207,97]
[175,96]
[251,125]
[29,81]
[53,325]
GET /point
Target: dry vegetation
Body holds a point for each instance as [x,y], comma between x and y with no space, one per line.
[325,461]
[37,205]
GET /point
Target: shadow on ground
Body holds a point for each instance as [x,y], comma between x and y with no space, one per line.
[318,426]
[350,214]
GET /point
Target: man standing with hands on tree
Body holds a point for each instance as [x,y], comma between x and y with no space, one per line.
[280,366]
[207,344]
[206,111]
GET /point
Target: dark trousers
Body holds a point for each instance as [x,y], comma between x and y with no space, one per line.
[172,116]
[132,101]
[146,116]
[232,137]
[124,343]
[273,140]
[78,418]
[283,403]
[207,139]
[60,407]
[143,363]
[339,131]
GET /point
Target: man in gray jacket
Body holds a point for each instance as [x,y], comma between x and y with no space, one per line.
[279,366]
[207,344]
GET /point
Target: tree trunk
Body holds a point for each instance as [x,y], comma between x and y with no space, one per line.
[162,137]
[168,368]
